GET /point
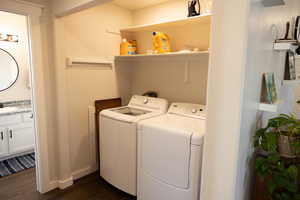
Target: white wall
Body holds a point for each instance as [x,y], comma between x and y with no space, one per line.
[261,58]
[150,74]
[171,10]
[85,36]
[46,24]
[167,77]
[228,167]
[16,25]
[225,91]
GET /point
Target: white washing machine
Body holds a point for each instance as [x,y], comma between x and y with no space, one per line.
[118,140]
[170,154]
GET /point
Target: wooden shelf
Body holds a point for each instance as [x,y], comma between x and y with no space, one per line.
[202,19]
[165,55]
[270,107]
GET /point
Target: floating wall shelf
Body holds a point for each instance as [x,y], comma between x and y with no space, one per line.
[270,107]
[271,3]
[165,55]
[202,19]
[283,46]
[291,82]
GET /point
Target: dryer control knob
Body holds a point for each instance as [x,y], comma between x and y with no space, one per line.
[194,111]
[146,101]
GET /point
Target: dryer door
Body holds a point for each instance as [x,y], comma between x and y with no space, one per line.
[165,155]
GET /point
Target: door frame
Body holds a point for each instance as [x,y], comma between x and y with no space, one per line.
[33,13]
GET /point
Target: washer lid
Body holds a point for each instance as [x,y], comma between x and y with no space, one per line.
[129,114]
[172,122]
[131,111]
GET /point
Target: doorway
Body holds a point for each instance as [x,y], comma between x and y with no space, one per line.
[18,148]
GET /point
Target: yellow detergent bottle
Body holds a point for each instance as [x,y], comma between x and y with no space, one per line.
[134,46]
[128,47]
[161,42]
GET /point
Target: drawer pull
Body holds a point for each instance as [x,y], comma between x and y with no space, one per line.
[10,133]
[2,137]
[31,116]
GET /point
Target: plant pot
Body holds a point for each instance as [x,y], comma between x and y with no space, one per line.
[286,148]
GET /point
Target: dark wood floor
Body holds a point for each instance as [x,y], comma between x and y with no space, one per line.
[21,186]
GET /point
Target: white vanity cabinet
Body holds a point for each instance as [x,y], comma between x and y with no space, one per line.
[18,134]
[3,142]
[21,138]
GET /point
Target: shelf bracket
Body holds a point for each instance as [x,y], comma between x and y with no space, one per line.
[186,71]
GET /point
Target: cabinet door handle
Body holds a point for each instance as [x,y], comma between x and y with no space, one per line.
[2,137]
[10,133]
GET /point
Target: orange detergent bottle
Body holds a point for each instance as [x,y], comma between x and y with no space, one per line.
[128,47]
[161,42]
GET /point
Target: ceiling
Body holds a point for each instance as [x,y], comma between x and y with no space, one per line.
[138,4]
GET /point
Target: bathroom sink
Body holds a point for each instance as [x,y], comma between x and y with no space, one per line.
[8,110]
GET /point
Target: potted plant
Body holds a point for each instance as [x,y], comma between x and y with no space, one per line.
[276,165]
[282,134]
[279,177]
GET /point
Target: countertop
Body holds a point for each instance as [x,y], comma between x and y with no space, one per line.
[11,110]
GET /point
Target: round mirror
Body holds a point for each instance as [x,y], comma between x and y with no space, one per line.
[9,70]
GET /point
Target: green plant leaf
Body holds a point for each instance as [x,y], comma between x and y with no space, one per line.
[292,172]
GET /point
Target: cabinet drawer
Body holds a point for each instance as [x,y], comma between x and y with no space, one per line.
[28,117]
[10,119]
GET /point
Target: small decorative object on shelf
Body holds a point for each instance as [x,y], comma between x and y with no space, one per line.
[292,67]
[269,93]
[276,165]
[290,40]
[192,8]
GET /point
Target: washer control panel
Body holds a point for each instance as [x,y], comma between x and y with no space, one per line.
[189,110]
[155,104]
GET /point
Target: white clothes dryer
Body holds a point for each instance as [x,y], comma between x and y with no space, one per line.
[170,154]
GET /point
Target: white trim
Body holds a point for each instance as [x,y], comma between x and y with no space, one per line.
[63,184]
[64,159]
[20,8]
[83,172]
[30,4]
[61,10]
[92,135]
[52,185]
[38,91]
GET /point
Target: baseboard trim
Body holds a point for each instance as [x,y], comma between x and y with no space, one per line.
[83,172]
[51,186]
[63,184]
